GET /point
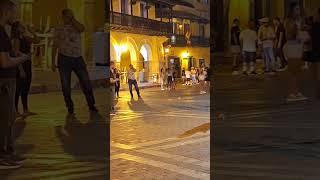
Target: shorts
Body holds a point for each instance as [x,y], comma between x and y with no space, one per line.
[235,49]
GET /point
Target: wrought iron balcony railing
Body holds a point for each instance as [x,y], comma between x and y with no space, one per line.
[133,23]
[197,41]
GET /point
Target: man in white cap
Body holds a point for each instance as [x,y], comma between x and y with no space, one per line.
[266,37]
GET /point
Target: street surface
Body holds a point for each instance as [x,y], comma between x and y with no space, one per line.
[164,136]
[262,136]
[58,147]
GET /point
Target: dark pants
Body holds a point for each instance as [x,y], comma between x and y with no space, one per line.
[23,88]
[68,64]
[7,114]
[117,89]
[279,53]
[133,82]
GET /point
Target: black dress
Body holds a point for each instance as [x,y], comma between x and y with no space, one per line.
[314,55]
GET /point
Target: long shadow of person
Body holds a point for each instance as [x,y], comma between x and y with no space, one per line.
[139,105]
[86,141]
[18,130]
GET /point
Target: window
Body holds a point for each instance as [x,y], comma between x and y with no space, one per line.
[201,30]
[143,10]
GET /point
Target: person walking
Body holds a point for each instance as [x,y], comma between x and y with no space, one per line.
[293,51]
[280,40]
[9,158]
[117,84]
[248,39]
[235,45]
[67,41]
[132,81]
[188,77]
[267,36]
[22,44]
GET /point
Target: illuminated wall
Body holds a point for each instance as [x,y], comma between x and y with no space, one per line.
[239,9]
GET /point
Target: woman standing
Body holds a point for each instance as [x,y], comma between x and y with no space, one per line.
[22,44]
[183,74]
[117,84]
[293,50]
[201,79]
[170,78]
[314,56]
[162,78]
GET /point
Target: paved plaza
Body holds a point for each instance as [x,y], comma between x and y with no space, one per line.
[60,147]
[262,136]
[163,136]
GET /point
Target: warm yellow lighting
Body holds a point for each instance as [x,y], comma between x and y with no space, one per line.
[124,48]
[185,55]
[180,26]
[167,50]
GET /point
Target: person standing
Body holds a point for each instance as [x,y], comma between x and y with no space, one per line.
[235,45]
[202,77]
[117,84]
[9,159]
[267,36]
[279,43]
[193,75]
[132,81]
[162,78]
[113,81]
[293,51]
[188,77]
[170,78]
[22,43]
[314,56]
[248,39]
[67,41]
[183,74]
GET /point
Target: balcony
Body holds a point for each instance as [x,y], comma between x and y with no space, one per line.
[139,25]
[196,41]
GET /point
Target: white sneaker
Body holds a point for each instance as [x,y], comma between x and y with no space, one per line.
[296,97]
[234,73]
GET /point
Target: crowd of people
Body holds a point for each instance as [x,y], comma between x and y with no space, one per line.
[16,72]
[291,44]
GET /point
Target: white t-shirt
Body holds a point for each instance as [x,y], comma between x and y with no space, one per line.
[188,73]
[249,38]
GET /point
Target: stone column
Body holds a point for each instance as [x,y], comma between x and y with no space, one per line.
[25,7]
[89,21]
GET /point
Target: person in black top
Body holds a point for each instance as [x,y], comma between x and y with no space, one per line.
[9,159]
[314,56]
[235,44]
[280,42]
[22,43]
[117,84]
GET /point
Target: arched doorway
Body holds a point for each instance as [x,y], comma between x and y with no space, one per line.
[145,61]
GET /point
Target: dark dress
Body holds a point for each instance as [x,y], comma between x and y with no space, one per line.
[314,55]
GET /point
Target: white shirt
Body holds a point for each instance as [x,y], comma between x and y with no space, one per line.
[188,73]
[249,38]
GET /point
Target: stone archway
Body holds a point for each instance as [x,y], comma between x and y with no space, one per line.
[145,60]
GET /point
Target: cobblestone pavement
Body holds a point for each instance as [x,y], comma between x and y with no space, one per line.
[59,147]
[163,136]
[264,137]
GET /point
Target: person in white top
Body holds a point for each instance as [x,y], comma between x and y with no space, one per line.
[248,40]
[202,77]
[267,36]
[188,76]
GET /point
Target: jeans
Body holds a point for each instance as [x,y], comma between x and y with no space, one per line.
[133,82]
[68,64]
[269,58]
[7,114]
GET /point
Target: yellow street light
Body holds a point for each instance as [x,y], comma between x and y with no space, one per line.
[124,48]
[167,50]
[185,54]
[180,26]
